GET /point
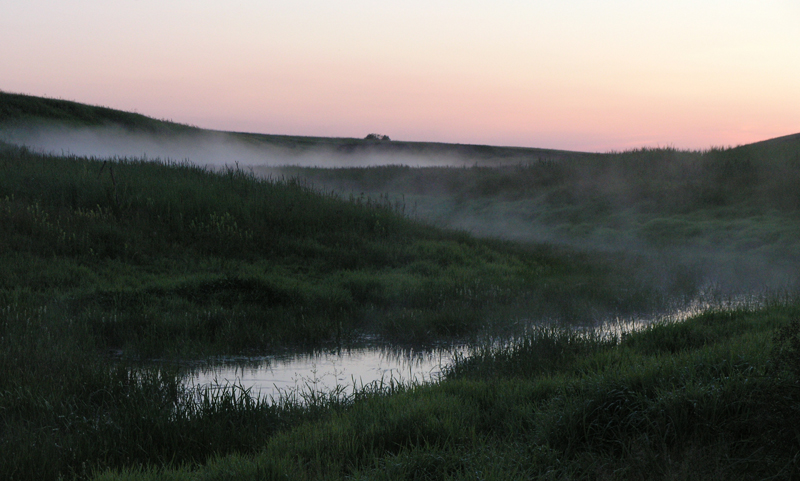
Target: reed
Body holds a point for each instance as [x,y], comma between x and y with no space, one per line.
[173,257]
[648,406]
[166,259]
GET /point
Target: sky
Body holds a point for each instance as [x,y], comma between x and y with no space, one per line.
[577,75]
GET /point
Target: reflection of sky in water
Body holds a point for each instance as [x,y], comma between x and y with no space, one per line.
[324,371]
[683,311]
[328,370]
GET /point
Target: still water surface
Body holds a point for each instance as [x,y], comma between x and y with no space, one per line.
[324,371]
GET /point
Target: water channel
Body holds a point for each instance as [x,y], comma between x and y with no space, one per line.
[323,371]
[326,370]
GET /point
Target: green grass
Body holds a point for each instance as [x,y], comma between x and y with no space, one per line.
[702,399]
[172,260]
[731,216]
[160,257]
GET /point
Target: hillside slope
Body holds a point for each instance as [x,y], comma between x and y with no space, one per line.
[28,112]
[103,263]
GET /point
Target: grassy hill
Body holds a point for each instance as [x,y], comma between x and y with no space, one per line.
[160,247]
[731,215]
[175,260]
[24,110]
[17,110]
[157,259]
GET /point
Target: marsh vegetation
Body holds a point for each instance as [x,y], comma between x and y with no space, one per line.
[105,263]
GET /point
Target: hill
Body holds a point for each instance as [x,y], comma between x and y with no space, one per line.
[104,262]
[28,112]
[726,217]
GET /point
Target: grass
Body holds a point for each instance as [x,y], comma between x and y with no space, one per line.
[702,399]
[166,257]
[730,214]
[173,260]
[161,259]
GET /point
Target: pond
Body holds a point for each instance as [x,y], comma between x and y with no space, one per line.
[323,371]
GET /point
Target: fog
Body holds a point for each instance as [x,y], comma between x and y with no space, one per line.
[722,263]
[723,269]
[208,148]
[740,249]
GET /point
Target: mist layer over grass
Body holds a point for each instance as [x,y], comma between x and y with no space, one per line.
[61,127]
[726,218]
[158,259]
[217,149]
[175,259]
[731,216]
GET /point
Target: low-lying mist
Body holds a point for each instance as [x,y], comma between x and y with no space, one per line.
[723,219]
[729,257]
[726,218]
[215,149]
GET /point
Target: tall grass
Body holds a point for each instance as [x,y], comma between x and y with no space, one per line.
[161,256]
[168,259]
[562,406]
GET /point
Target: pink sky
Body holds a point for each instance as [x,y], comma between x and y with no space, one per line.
[580,75]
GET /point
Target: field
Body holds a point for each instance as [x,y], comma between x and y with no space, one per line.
[107,262]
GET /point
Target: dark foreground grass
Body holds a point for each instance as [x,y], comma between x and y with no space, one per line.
[64,410]
[702,399]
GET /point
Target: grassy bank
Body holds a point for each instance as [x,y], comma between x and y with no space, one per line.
[714,397]
[156,257]
[711,398]
[105,262]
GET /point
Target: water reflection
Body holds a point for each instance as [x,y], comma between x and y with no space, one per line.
[326,371]
[681,311]
[323,371]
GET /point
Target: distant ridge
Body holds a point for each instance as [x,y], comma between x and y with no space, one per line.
[16,109]
[22,110]
[778,140]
